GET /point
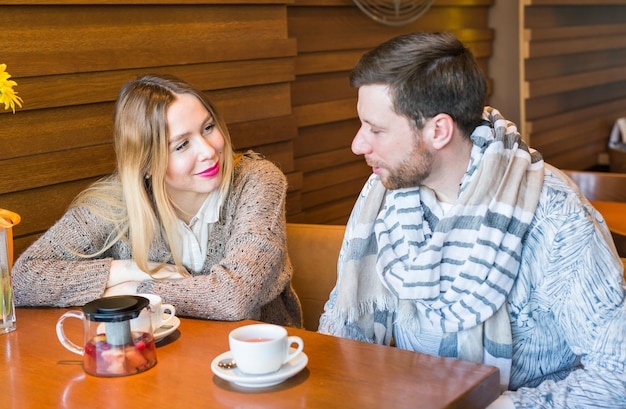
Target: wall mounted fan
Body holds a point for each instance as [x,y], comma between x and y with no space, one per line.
[394,12]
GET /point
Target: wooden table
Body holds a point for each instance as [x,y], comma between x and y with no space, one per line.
[36,371]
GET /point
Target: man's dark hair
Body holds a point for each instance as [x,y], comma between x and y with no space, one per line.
[427,74]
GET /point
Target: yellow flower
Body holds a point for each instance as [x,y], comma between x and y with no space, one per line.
[8,97]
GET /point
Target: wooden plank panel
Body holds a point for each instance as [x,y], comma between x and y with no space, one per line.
[51,168]
[579,136]
[281,154]
[311,89]
[50,130]
[577,99]
[482,51]
[578,159]
[572,2]
[332,176]
[252,103]
[572,82]
[41,207]
[571,32]
[118,37]
[75,89]
[574,15]
[34,63]
[146,2]
[324,112]
[324,29]
[71,56]
[264,131]
[324,214]
[605,110]
[573,89]
[38,214]
[57,129]
[294,204]
[295,181]
[333,193]
[438,3]
[562,139]
[325,137]
[330,41]
[344,60]
[537,68]
[342,220]
[537,49]
[327,159]
[331,61]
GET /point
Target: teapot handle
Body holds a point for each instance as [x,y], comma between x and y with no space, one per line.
[61,332]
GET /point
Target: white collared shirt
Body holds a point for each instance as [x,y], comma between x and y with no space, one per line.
[195,235]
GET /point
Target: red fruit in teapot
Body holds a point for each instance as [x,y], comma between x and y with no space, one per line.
[103,359]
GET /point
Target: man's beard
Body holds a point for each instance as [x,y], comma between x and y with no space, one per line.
[412,171]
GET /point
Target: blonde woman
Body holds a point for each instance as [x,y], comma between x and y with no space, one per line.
[183,216]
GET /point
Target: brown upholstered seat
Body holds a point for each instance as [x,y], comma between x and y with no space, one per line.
[314,250]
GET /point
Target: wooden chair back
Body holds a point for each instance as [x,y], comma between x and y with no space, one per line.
[600,186]
[314,251]
[603,187]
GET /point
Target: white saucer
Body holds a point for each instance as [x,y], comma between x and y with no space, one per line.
[166,329]
[259,381]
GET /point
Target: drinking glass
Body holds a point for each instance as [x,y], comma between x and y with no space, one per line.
[8,219]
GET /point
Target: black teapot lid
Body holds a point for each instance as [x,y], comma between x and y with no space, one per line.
[116,308]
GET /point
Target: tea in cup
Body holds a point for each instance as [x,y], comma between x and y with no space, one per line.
[262,348]
[156,311]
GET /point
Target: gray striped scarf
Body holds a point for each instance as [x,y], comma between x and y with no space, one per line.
[457,270]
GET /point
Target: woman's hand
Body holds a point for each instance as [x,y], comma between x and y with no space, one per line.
[167,272]
[125,276]
[126,288]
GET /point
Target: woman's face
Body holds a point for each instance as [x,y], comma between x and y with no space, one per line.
[196,149]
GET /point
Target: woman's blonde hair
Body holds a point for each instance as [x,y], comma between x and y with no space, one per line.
[135,198]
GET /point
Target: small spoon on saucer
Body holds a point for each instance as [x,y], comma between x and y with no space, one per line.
[227,364]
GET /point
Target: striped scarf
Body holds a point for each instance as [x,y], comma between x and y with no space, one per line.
[457,270]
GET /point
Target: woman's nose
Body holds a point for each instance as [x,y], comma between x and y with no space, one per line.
[206,149]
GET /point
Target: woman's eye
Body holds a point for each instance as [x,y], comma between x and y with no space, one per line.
[182,146]
[209,127]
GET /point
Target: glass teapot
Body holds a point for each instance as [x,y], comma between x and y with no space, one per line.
[8,219]
[112,346]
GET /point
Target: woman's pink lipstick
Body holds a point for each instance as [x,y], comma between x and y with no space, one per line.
[212,171]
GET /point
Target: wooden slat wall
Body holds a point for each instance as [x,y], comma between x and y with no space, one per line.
[332,35]
[276,69]
[71,57]
[573,77]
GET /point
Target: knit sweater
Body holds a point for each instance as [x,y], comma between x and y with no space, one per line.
[246,274]
[567,308]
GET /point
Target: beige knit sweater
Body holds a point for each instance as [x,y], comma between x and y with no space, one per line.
[246,275]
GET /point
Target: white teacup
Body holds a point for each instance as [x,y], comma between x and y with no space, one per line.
[157,311]
[262,348]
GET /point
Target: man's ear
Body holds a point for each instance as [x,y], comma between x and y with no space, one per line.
[443,130]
